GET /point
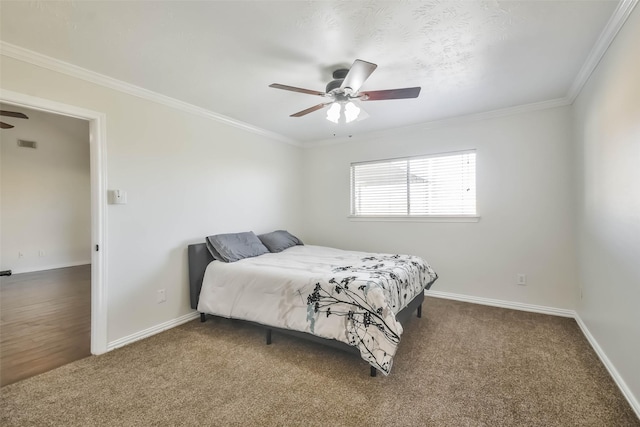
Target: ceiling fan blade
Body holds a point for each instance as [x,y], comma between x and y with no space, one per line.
[13,114]
[4,125]
[310,110]
[297,89]
[357,75]
[380,95]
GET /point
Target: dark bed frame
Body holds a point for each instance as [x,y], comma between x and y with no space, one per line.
[199,259]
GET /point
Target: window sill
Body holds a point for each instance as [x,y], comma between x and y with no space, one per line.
[415,218]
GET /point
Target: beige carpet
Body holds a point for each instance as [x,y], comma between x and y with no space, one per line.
[460,365]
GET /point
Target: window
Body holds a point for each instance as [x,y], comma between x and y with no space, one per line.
[437,185]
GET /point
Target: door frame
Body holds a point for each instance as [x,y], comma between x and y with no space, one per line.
[98,164]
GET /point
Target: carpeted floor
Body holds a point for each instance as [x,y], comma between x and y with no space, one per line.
[460,365]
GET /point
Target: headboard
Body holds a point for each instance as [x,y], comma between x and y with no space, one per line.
[199,259]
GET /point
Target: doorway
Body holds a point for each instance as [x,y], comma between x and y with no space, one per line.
[45,208]
[97,148]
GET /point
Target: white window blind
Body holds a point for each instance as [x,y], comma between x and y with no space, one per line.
[438,185]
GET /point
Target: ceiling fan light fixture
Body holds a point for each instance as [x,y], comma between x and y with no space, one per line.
[351,112]
[339,114]
[333,113]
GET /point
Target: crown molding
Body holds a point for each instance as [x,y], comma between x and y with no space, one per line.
[617,20]
[40,60]
[615,23]
[608,34]
[447,122]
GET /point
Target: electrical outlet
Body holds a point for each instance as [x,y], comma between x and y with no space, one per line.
[20,254]
[521,279]
[161,296]
[41,253]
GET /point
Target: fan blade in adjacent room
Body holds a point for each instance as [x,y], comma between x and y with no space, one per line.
[310,110]
[358,74]
[13,114]
[296,89]
[379,95]
[4,125]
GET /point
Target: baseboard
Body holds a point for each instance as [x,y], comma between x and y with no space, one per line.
[152,331]
[503,304]
[607,363]
[635,405]
[445,295]
[49,267]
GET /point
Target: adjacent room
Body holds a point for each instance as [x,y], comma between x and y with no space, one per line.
[149,149]
[46,227]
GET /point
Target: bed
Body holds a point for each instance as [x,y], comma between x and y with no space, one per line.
[353,301]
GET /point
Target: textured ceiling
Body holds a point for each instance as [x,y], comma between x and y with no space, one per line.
[468,56]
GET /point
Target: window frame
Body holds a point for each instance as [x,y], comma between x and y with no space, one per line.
[411,218]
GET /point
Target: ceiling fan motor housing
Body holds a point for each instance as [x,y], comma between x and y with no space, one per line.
[338,76]
[333,85]
[340,73]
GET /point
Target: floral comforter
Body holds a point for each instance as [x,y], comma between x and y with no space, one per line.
[349,296]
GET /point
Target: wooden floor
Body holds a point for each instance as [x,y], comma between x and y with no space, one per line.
[45,321]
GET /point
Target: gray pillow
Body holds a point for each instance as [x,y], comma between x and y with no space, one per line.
[233,247]
[279,240]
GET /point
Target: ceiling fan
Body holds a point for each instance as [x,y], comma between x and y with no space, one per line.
[345,88]
[14,114]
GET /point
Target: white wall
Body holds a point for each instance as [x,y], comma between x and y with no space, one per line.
[186,176]
[524,196]
[45,203]
[607,118]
